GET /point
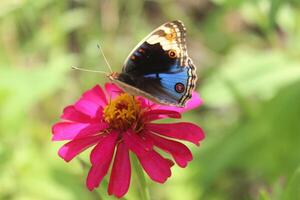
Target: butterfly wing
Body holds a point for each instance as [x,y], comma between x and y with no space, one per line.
[159,67]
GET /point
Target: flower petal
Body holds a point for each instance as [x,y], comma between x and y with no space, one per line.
[71,130]
[101,157]
[70,113]
[181,154]
[121,172]
[139,145]
[99,114]
[157,167]
[66,130]
[194,102]
[96,95]
[160,114]
[73,148]
[87,107]
[182,130]
[90,101]
[145,102]
[112,90]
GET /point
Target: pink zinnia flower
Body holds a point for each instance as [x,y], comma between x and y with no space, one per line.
[117,120]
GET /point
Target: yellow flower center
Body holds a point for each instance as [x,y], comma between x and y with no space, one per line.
[122,112]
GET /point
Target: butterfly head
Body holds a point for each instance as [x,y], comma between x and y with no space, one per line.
[112,76]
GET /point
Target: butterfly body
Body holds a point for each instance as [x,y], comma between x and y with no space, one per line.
[159,67]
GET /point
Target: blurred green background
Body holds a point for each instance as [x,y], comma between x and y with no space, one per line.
[248,59]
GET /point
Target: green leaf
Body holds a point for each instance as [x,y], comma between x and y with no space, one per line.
[253,73]
[293,189]
[263,195]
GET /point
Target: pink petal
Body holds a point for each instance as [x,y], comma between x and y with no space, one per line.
[144,102]
[121,172]
[99,114]
[112,90]
[73,148]
[96,95]
[71,130]
[90,101]
[194,102]
[181,154]
[70,113]
[160,114]
[101,157]
[182,130]
[87,107]
[67,130]
[141,145]
[95,156]
[157,167]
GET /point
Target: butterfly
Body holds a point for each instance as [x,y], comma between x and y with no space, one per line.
[159,67]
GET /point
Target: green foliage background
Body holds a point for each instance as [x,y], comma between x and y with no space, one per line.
[248,58]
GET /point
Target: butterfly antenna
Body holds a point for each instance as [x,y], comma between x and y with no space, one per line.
[107,63]
[88,70]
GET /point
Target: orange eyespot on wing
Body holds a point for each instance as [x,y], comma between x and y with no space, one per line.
[172,53]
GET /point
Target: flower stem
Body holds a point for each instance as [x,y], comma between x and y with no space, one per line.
[140,177]
[85,167]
